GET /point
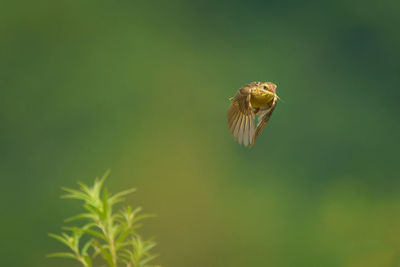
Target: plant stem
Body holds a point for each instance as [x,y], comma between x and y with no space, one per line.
[110,241]
[113,252]
[82,260]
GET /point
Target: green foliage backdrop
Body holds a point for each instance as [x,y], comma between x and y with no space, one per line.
[142,87]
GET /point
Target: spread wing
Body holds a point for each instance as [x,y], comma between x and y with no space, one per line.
[241,117]
[263,119]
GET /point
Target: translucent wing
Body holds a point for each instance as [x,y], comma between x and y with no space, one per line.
[263,119]
[241,117]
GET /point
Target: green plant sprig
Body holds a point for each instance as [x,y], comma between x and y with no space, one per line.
[112,235]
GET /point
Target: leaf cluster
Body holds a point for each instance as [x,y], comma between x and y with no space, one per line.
[105,234]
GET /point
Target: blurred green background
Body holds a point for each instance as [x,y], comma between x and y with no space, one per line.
[142,87]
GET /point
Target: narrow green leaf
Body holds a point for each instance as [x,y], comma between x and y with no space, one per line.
[62,255]
[104,253]
[144,216]
[88,226]
[136,226]
[149,246]
[99,183]
[121,238]
[82,216]
[98,210]
[95,234]
[148,259]
[118,196]
[61,239]
[75,194]
[85,188]
[105,175]
[137,210]
[86,247]
[68,228]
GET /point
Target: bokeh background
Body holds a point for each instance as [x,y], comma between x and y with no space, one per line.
[142,88]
